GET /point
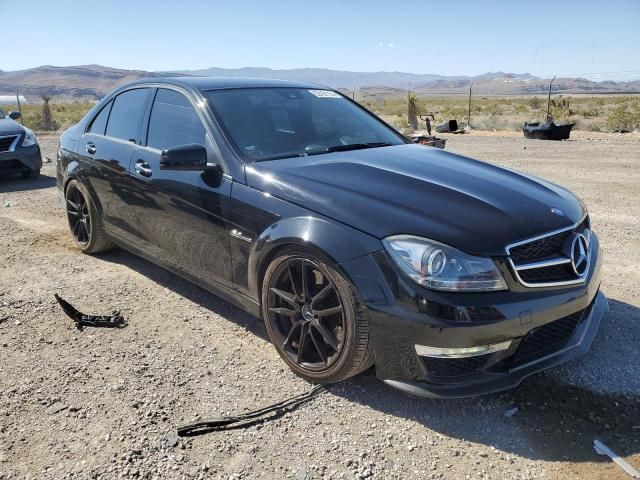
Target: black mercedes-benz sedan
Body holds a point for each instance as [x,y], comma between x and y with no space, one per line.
[453,276]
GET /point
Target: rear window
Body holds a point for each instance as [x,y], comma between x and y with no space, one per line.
[126,114]
[99,122]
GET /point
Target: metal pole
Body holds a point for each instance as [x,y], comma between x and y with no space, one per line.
[19,107]
[353,96]
[469,114]
[549,99]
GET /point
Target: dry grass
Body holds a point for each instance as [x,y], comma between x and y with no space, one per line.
[600,114]
[594,114]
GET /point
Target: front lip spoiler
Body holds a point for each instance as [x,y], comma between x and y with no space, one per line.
[579,344]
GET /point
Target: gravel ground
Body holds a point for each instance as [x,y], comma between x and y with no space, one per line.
[105,403]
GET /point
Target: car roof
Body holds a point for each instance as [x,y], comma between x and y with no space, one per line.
[220,83]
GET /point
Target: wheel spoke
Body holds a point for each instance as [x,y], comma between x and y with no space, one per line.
[328,311]
[76,228]
[291,332]
[71,212]
[283,311]
[305,286]
[74,205]
[319,346]
[321,294]
[294,287]
[302,341]
[328,336]
[85,230]
[286,296]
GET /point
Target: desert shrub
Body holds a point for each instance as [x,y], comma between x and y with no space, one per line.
[535,103]
[620,119]
[46,122]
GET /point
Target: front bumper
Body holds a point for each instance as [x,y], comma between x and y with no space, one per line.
[20,160]
[485,383]
[546,326]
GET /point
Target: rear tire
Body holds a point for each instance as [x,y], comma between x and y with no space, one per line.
[323,334]
[84,221]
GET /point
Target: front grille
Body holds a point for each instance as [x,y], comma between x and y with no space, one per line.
[553,273]
[545,261]
[547,338]
[11,166]
[454,367]
[545,248]
[6,142]
[548,247]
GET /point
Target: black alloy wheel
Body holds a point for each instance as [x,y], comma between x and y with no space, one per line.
[78,215]
[83,220]
[311,319]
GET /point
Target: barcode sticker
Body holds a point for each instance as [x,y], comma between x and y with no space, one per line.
[324,93]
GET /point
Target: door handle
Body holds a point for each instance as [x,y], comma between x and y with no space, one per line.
[143,168]
[91,148]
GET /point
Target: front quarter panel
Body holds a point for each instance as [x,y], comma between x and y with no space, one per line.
[272,224]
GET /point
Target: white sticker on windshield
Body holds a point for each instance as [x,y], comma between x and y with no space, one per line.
[324,93]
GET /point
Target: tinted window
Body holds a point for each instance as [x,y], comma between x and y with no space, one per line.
[267,123]
[173,121]
[100,121]
[126,114]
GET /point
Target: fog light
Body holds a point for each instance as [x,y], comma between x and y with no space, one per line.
[437,352]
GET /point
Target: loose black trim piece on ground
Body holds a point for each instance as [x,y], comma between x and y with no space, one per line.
[82,320]
[246,420]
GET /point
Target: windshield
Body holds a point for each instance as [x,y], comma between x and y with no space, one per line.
[270,123]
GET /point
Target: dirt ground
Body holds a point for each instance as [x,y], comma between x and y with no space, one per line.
[105,403]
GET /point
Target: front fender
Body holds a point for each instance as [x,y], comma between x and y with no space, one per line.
[331,241]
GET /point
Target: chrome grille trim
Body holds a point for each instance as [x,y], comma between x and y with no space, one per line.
[544,263]
[549,262]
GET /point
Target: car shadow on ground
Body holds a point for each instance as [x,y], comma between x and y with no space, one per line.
[15,183]
[555,421]
[188,290]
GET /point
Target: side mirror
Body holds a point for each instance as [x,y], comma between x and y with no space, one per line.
[191,157]
[14,115]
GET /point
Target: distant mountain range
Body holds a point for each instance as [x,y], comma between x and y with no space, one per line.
[91,82]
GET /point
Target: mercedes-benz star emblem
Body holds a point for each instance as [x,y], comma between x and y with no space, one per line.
[580,254]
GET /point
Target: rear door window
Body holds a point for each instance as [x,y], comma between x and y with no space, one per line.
[126,114]
[100,121]
[173,121]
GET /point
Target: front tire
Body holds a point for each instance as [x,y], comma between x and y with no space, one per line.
[314,319]
[84,221]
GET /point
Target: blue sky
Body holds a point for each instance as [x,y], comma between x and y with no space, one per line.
[451,37]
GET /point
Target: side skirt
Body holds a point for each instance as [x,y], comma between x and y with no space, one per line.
[238,299]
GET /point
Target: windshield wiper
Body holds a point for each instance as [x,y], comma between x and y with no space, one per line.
[356,146]
[335,148]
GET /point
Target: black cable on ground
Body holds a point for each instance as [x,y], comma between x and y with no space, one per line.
[251,418]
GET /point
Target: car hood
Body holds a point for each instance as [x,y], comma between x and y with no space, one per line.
[411,189]
[9,127]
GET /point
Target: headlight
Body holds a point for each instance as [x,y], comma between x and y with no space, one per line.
[29,138]
[440,267]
